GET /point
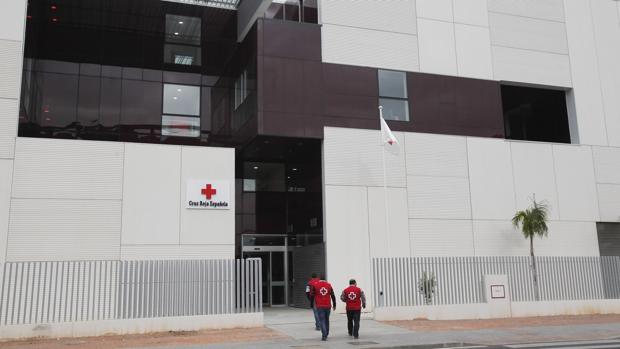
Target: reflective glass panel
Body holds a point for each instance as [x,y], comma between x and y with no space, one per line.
[180,126]
[181,99]
[392,84]
[395,109]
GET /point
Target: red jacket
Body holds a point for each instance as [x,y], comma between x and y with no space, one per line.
[354,297]
[323,293]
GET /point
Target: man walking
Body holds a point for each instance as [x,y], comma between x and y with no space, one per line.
[309,286]
[355,299]
[323,293]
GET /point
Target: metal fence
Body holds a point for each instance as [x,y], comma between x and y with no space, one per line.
[459,280]
[67,291]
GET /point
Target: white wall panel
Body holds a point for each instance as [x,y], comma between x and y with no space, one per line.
[48,229]
[531,67]
[586,95]
[207,226]
[607,34]
[472,12]
[568,239]
[491,181]
[353,157]
[151,195]
[607,164]
[576,183]
[12,20]
[435,9]
[346,234]
[11,68]
[534,175]
[528,33]
[398,16]
[144,252]
[543,9]
[9,114]
[372,48]
[395,242]
[436,155]
[441,237]
[437,47]
[6,174]
[69,169]
[473,51]
[438,197]
[609,202]
[499,238]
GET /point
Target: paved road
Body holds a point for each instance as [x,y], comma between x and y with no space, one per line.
[597,344]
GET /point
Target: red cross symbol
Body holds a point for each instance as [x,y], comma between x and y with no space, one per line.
[208,191]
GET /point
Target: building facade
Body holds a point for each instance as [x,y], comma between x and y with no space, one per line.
[110,111]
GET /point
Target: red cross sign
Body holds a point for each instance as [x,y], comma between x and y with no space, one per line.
[208,191]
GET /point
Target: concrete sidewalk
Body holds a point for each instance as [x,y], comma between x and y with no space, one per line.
[294,328]
[298,325]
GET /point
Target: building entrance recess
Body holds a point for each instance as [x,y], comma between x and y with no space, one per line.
[287,263]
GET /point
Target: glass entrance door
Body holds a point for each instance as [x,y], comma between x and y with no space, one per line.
[273,277]
[278,280]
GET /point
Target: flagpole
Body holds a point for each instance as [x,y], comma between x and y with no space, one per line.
[385,193]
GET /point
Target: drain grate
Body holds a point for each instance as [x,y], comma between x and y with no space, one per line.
[363,343]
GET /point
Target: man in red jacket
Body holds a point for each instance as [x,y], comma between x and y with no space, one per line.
[323,293]
[356,300]
[313,280]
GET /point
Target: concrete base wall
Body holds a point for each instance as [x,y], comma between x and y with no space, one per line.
[486,311]
[132,326]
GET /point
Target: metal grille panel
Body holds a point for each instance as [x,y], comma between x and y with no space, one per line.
[68,291]
[459,280]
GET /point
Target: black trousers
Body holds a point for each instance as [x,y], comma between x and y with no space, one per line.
[353,322]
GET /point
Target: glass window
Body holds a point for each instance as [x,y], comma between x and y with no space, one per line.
[392,84]
[395,109]
[183,40]
[181,111]
[393,95]
[261,176]
[180,126]
[181,99]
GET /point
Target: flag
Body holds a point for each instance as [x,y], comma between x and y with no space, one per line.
[386,134]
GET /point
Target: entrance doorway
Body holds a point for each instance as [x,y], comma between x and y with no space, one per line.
[273,276]
[275,255]
[287,261]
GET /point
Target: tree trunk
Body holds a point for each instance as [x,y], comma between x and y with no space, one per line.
[534,271]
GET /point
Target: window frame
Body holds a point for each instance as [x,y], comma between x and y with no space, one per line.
[181,115]
[407,117]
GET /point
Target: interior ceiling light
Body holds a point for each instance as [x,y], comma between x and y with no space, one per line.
[176,33]
[255,167]
[180,22]
[225,4]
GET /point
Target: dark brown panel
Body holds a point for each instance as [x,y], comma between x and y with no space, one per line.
[290,40]
[343,79]
[453,105]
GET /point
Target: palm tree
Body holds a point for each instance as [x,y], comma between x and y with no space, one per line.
[533,222]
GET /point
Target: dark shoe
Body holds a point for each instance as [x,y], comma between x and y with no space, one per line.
[350,334]
[317,328]
[323,338]
[356,337]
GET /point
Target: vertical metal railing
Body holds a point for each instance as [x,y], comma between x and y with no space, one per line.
[69,291]
[459,280]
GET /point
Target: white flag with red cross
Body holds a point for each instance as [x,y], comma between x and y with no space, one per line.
[386,134]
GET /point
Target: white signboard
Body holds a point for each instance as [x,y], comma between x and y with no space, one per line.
[208,194]
[498,291]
